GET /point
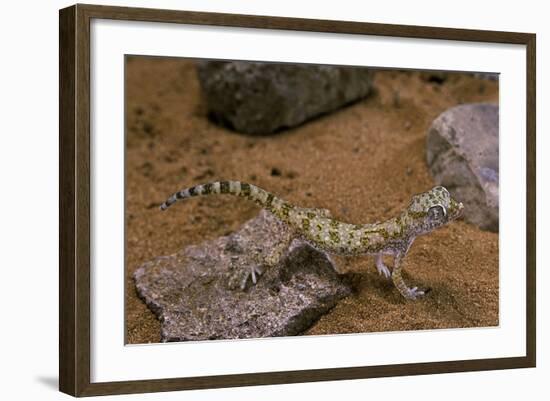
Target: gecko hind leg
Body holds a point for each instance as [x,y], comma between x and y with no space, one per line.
[241,269]
[277,252]
[254,270]
[381,267]
[256,264]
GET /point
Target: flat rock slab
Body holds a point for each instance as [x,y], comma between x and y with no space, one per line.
[191,295]
[462,155]
[262,98]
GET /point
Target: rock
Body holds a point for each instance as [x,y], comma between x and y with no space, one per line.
[490,76]
[440,77]
[462,155]
[262,98]
[190,292]
[437,77]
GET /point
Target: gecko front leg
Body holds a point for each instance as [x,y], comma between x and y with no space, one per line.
[409,293]
[381,267]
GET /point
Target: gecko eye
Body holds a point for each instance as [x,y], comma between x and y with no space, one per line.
[437,213]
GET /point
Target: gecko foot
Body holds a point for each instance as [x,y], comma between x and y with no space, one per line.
[241,272]
[254,270]
[240,278]
[382,268]
[415,293]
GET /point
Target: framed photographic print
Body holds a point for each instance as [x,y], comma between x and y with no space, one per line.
[251,200]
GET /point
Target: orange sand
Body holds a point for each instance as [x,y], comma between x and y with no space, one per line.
[362,162]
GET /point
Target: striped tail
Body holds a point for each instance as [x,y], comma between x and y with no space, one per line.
[260,196]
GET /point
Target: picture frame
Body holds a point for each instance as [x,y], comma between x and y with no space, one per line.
[76,337]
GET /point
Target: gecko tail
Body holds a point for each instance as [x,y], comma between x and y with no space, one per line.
[236,188]
[165,206]
[180,195]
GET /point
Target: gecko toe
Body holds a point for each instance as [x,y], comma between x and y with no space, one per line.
[243,283]
[258,270]
[254,273]
[414,293]
[384,271]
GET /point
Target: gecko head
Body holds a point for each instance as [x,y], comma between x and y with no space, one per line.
[433,209]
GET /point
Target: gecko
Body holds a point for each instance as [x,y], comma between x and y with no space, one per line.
[426,212]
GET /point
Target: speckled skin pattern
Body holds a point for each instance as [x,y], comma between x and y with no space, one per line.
[426,212]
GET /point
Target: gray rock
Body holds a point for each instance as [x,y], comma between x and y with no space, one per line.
[191,294]
[490,76]
[441,77]
[262,98]
[462,155]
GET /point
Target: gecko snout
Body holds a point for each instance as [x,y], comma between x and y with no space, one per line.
[459,210]
[455,210]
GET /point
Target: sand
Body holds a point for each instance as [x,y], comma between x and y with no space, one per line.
[362,162]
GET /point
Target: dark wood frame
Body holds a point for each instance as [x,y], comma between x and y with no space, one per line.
[74,200]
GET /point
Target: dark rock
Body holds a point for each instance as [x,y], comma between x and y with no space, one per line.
[462,155]
[440,77]
[191,291]
[490,76]
[262,98]
[436,77]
